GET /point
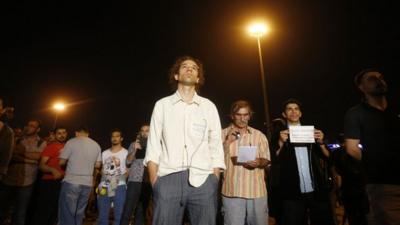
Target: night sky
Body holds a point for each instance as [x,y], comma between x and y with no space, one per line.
[110,60]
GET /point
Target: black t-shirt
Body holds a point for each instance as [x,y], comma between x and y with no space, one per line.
[379,135]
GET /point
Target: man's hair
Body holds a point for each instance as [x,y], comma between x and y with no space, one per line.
[82,128]
[175,70]
[360,75]
[237,105]
[1,101]
[59,128]
[116,130]
[39,122]
[290,101]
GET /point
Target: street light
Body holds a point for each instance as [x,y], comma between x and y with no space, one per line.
[258,30]
[58,107]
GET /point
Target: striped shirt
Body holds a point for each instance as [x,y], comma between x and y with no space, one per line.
[239,181]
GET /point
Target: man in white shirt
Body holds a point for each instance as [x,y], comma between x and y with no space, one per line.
[184,150]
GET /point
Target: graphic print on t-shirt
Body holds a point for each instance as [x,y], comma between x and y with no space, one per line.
[112,166]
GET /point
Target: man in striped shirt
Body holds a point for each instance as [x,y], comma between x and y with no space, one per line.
[244,193]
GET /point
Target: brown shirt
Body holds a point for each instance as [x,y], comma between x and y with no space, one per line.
[23,167]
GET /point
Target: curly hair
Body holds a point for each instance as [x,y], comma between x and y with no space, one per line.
[175,70]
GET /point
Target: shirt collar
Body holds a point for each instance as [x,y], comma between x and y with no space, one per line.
[175,98]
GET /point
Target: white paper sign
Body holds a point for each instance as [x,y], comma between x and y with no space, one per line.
[301,134]
[246,153]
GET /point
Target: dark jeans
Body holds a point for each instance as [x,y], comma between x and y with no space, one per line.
[18,197]
[296,212]
[46,208]
[137,196]
[172,195]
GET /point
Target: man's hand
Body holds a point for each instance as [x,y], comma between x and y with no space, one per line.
[230,137]
[258,163]
[319,136]
[56,174]
[283,137]
[217,172]
[153,169]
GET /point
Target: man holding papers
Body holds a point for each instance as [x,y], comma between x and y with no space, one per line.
[304,180]
[244,193]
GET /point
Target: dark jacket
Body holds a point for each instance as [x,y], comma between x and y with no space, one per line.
[6,147]
[289,175]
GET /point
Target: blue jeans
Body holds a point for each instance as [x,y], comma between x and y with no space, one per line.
[72,203]
[104,205]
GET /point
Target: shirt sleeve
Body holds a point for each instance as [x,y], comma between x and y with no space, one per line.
[66,151]
[215,142]
[99,159]
[352,128]
[264,148]
[154,146]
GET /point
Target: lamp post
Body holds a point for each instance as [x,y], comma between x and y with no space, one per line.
[258,30]
[58,107]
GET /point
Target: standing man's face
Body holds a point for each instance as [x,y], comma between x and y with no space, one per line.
[61,135]
[241,117]
[292,113]
[116,138]
[144,131]
[32,128]
[188,74]
[373,84]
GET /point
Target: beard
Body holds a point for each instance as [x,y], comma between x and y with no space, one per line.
[379,90]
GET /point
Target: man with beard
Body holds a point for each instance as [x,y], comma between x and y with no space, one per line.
[375,125]
[17,186]
[138,193]
[112,188]
[184,150]
[49,184]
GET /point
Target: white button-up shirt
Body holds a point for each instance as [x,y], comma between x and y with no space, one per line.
[185,136]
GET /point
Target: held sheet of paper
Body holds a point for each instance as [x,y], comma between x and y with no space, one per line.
[301,134]
[246,153]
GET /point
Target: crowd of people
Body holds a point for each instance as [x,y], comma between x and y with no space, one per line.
[184,168]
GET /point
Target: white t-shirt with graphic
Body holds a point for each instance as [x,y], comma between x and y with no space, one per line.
[114,164]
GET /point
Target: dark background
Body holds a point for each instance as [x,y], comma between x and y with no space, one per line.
[110,60]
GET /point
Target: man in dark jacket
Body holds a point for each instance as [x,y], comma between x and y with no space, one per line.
[304,180]
[6,140]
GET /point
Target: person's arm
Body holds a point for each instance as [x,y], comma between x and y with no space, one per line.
[352,148]
[283,137]
[65,154]
[152,168]
[62,162]
[6,148]
[154,147]
[215,142]
[319,137]
[132,152]
[48,169]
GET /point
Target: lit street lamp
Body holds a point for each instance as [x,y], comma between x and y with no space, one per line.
[258,30]
[58,107]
